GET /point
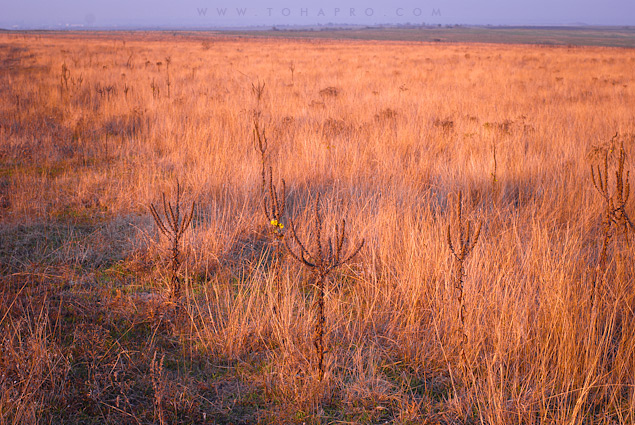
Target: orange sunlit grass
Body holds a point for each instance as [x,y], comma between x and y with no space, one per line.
[386,135]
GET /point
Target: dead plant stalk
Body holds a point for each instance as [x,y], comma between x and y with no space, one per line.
[467,239]
[173,228]
[323,260]
[273,205]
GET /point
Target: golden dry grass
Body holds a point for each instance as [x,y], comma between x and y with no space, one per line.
[387,133]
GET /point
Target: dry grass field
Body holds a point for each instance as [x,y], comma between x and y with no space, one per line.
[538,329]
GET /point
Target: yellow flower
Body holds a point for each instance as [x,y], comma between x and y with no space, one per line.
[276,223]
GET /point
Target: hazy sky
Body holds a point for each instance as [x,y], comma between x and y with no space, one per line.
[206,13]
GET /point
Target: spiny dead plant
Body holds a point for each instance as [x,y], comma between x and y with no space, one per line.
[292,69]
[615,215]
[622,193]
[615,219]
[326,257]
[64,77]
[258,90]
[465,243]
[601,184]
[168,61]
[614,203]
[493,175]
[173,228]
[273,204]
[156,90]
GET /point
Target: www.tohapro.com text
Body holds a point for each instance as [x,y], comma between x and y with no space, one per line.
[317,12]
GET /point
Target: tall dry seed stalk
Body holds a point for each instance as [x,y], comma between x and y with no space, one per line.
[156,91]
[622,193]
[493,175]
[292,69]
[173,228]
[258,90]
[273,202]
[615,203]
[326,257]
[467,238]
[64,77]
[168,61]
[273,205]
[615,215]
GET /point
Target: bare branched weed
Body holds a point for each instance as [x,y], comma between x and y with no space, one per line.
[273,206]
[465,241]
[273,201]
[156,90]
[493,175]
[292,69]
[168,82]
[615,215]
[173,226]
[64,78]
[326,256]
[258,91]
[609,305]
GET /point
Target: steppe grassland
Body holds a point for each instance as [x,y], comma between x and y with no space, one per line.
[406,127]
